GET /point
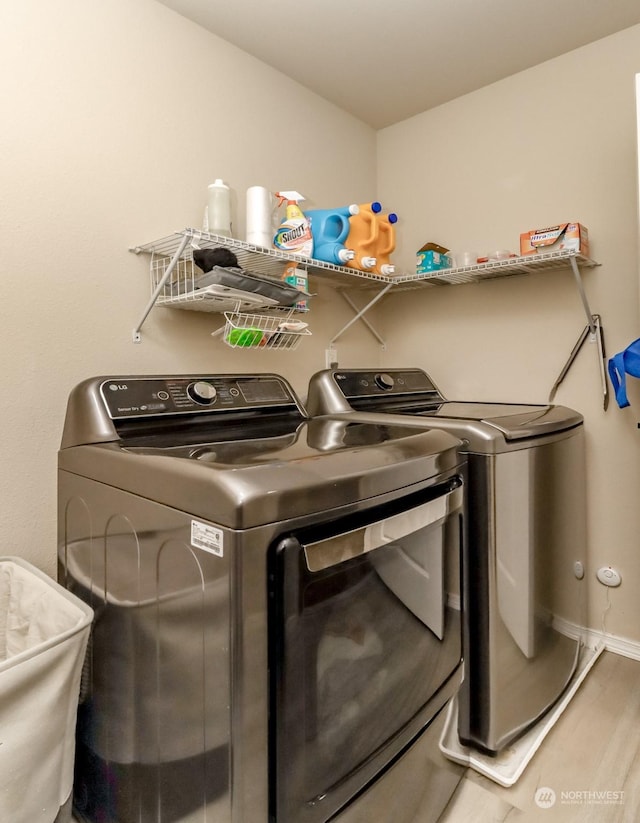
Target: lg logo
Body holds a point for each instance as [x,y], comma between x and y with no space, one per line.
[118,386]
[545,797]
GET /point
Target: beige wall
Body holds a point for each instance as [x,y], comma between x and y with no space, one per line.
[115,117]
[117,114]
[554,143]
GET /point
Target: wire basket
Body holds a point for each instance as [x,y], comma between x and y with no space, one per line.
[262,331]
[182,291]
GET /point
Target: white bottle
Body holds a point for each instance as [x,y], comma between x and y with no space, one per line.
[219,209]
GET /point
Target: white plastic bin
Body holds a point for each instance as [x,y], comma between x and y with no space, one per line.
[44,631]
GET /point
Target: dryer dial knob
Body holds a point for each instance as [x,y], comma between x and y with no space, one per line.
[202,392]
[384,381]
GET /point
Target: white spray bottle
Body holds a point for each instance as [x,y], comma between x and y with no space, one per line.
[294,234]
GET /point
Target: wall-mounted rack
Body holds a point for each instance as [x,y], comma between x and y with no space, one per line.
[172,262]
[269,261]
[171,253]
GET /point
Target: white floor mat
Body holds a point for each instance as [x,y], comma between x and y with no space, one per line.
[509,765]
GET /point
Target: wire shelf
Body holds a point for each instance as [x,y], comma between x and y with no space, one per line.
[527,264]
[262,331]
[273,262]
[173,274]
[259,259]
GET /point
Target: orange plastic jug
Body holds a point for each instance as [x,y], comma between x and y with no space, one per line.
[363,236]
[386,243]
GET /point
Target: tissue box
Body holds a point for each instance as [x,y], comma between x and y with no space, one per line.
[563,237]
[432,257]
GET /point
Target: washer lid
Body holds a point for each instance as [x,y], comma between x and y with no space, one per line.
[508,421]
[410,393]
[515,421]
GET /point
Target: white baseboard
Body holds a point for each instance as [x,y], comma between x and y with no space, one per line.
[593,638]
[617,645]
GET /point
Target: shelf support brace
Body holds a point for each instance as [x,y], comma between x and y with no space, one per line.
[331,353]
[360,315]
[583,297]
[373,331]
[172,264]
[595,336]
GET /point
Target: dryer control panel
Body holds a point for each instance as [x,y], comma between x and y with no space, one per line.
[158,396]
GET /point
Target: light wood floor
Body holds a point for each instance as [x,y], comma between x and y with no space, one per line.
[593,749]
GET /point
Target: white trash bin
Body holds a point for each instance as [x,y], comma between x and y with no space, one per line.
[44,631]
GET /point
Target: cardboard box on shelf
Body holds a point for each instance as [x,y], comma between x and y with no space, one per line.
[563,237]
[432,257]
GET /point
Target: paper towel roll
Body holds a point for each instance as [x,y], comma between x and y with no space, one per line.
[261,208]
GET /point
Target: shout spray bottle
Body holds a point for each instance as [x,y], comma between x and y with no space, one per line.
[294,233]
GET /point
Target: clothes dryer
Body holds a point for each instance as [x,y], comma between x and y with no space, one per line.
[524,606]
[277,610]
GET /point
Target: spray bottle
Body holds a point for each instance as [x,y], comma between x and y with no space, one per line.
[294,234]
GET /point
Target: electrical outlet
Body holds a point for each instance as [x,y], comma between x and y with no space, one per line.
[609,576]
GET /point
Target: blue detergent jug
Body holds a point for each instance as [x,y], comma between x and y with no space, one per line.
[620,365]
[329,228]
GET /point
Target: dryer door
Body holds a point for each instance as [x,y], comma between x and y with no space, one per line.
[365,643]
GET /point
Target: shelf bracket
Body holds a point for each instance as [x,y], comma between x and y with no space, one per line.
[331,351]
[594,332]
[136,336]
[583,296]
[360,315]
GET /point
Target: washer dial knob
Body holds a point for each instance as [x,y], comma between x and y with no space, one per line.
[384,381]
[202,392]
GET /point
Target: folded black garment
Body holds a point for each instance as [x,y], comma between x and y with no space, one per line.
[206,259]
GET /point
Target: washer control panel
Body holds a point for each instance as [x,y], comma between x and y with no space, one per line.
[156,396]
